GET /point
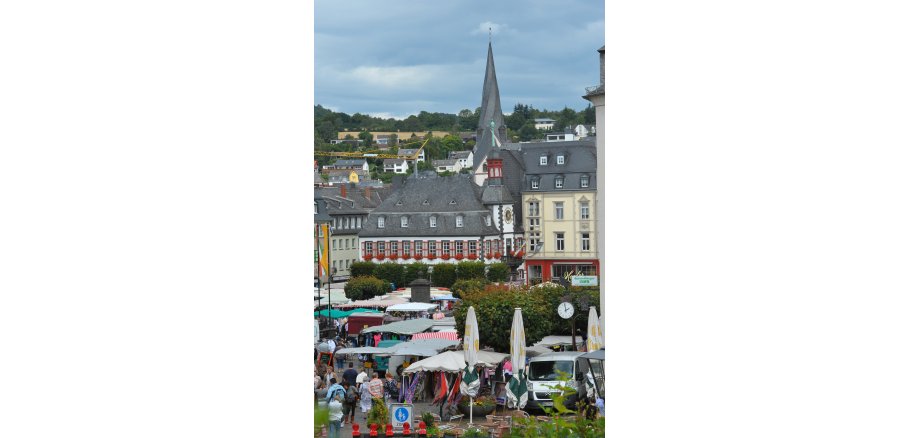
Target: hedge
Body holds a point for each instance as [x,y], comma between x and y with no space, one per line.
[444,275]
[471,270]
[362,269]
[499,272]
[391,273]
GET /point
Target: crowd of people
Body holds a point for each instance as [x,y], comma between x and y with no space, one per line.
[352,390]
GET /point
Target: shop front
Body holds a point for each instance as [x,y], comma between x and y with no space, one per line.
[558,271]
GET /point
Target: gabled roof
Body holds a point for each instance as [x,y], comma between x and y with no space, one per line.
[393,161]
[410,152]
[447,162]
[350,163]
[459,154]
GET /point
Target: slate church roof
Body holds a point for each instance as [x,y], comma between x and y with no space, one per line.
[491,109]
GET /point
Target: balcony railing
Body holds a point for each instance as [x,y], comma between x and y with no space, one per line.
[594,90]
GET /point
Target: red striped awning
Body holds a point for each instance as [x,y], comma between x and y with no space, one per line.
[450,336]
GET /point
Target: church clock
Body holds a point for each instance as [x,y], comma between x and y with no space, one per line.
[509,216]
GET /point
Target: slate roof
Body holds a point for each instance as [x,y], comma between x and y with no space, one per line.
[447,162]
[419,198]
[409,152]
[543,120]
[321,215]
[459,154]
[393,161]
[358,163]
[580,159]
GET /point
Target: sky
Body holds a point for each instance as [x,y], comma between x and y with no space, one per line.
[399,57]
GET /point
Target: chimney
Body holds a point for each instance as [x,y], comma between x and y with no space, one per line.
[343,190]
[367,193]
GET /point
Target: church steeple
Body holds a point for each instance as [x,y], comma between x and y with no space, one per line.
[491,109]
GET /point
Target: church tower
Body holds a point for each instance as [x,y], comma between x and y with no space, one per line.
[491,131]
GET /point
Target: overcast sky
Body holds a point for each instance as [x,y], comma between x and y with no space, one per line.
[398,57]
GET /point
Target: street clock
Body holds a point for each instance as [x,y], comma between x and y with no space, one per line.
[566,310]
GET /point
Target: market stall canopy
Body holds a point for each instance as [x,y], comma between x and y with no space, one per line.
[332,313]
[362,350]
[360,310]
[594,355]
[338,297]
[450,336]
[421,347]
[407,327]
[443,298]
[388,343]
[376,302]
[537,350]
[452,362]
[550,341]
[411,307]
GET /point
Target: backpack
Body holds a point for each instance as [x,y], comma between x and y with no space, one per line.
[351,395]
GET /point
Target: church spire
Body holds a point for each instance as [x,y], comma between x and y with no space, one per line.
[491,109]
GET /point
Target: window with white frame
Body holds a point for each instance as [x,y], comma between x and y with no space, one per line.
[558,206]
[585,242]
[534,241]
[359,222]
[544,160]
[534,224]
[432,247]
[584,181]
[381,248]
[459,221]
[535,183]
[404,222]
[432,222]
[560,241]
[407,247]
[445,247]
[380,222]
[472,245]
[489,221]
[584,210]
[418,247]
[368,248]
[335,243]
[458,247]
[559,181]
[560,159]
[394,247]
[533,208]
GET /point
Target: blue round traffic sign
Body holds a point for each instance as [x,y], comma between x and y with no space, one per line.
[402,415]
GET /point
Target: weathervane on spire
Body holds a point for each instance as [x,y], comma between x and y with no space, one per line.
[490,34]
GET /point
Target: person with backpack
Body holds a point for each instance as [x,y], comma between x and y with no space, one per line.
[334,389]
[391,389]
[350,403]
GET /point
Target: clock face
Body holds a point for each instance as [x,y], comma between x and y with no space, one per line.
[508,216]
[566,310]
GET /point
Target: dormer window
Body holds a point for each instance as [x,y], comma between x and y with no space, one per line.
[488,221]
[459,221]
[433,222]
[535,183]
[584,181]
[380,222]
[544,160]
[404,222]
[560,159]
[559,181]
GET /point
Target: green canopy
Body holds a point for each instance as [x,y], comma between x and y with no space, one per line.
[359,310]
[334,313]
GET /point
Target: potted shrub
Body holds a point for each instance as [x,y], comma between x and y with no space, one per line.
[482,405]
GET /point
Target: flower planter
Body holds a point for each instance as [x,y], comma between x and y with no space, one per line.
[478,410]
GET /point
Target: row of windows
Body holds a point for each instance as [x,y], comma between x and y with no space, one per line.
[559,182]
[533,209]
[338,265]
[433,247]
[544,160]
[344,244]
[347,223]
[534,241]
[432,221]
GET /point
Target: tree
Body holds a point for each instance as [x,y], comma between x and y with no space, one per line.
[590,115]
[529,132]
[515,121]
[463,288]
[416,270]
[362,269]
[498,272]
[391,273]
[363,288]
[444,275]
[495,310]
[367,137]
[471,270]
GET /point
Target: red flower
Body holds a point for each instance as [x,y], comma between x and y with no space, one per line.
[393,256]
[471,256]
[431,256]
[417,256]
[368,257]
[497,255]
[487,255]
[405,256]
[379,257]
[445,256]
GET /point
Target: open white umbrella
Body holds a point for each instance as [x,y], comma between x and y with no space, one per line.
[470,383]
[517,388]
[595,337]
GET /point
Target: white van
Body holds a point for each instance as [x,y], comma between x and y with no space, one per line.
[543,374]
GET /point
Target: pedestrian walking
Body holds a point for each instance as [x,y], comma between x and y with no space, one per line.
[351,403]
[361,378]
[365,398]
[334,389]
[330,375]
[391,389]
[335,416]
[375,387]
[350,375]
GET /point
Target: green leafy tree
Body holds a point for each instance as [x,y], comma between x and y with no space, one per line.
[529,132]
[471,270]
[391,273]
[498,272]
[363,288]
[416,270]
[463,288]
[366,137]
[362,269]
[444,275]
[495,310]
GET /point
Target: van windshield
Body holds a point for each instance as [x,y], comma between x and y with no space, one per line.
[549,370]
